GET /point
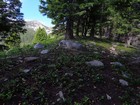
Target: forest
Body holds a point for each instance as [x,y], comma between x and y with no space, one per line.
[90,57]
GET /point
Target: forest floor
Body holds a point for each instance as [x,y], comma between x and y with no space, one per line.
[62,77]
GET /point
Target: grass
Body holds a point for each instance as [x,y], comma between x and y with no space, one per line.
[106,44]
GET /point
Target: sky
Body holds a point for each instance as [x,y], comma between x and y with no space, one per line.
[30,8]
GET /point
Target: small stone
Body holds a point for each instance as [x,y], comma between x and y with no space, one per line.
[26,70]
[68,74]
[123,82]
[95,87]
[61,95]
[95,63]
[103,52]
[108,97]
[38,46]
[5,79]
[96,52]
[125,75]
[58,99]
[23,80]
[113,78]
[44,51]
[112,49]
[53,103]
[21,61]
[116,64]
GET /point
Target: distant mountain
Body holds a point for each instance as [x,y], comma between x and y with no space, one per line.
[36,24]
[31,27]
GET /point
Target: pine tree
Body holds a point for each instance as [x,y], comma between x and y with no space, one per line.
[11,19]
[40,36]
[61,12]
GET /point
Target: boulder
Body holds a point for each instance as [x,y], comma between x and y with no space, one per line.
[68,44]
[95,63]
[44,52]
[38,46]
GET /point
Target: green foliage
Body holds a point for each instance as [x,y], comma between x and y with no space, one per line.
[13,40]
[11,19]
[50,43]
[40,36]
[61,13]
[93,17]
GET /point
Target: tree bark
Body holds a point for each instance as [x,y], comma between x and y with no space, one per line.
[69,28]
[92,32]
[69,23]
[77,28]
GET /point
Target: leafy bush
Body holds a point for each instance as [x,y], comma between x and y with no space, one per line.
[40,36]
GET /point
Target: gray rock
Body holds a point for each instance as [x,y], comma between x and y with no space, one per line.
[5,79]
[108,97]
[60,94]
[96,52]
[103,52]
[113,50]
[123,82]
[125,75]
[136,61]
[116,64]
[38,46]
[95,63]
[30,59]
[68,44]
[44,51]
[26,70]
[58,99]
[68,74]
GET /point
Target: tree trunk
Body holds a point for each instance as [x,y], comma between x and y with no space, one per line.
[69,23]
[77,28]
[118,37]
[69,29]
[92,32]
[85,32]
[110,32]
[101,32]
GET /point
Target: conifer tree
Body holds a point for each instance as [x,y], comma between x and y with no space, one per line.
[11,19]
